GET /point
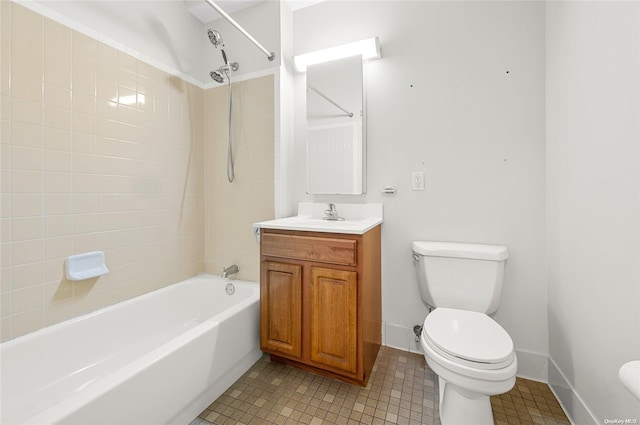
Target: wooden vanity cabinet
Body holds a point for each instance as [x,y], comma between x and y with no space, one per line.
[320,301]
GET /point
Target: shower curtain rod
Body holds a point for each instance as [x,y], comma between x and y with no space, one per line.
[270,55]
[325,97]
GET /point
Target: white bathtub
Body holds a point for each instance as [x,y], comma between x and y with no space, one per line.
[160,358]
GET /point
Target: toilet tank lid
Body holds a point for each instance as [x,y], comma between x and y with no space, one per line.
[460,250]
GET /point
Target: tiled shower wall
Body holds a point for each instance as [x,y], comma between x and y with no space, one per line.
[100,151]
[233,207]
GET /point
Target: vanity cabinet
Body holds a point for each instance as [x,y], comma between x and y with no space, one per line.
[320,301]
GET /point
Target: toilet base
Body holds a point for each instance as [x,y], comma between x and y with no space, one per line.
[458,405]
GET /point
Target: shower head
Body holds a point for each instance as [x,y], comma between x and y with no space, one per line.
[215,38]
[217,76]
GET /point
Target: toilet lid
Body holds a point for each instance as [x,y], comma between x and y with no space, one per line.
[469,336]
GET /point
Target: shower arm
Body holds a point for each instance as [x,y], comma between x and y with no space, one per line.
[270,55]
[325,97]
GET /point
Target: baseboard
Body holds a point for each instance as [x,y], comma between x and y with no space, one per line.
[531,365]
[396,336]
[571,403]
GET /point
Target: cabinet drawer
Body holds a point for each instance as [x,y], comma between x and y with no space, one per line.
[312,248]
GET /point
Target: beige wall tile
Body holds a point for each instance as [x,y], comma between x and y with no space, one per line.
[84,82]
[26,111]
[23,252]
[84,163]
[5,66]
[5,322]
[58,118]
[84,223]
[57,95]
[84,242]
[26,205]
[83,143]
[58,139]
[5,23]
[27,228]
[26,65]
[25,275]
[29,321]
[5,207]
[84,103]
[27,21]
[27,181]
[57,203]
[57,72]
[84,183]
[58,225]
[27,299]
[58,312]
[26,158]
[57,33]
[26,88]
[5,304]
[5,258]
[57,182]
[85,203]
[57,247]
[55,160]
[83,123]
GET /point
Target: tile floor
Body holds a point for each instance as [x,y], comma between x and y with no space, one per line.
[402,390]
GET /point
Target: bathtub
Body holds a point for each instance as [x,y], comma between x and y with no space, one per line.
[160,358]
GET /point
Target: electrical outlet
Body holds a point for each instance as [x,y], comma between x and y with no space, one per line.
[417,180]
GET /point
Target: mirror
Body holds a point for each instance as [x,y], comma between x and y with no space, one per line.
[336,127]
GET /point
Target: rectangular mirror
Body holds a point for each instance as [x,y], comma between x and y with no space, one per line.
[336,139]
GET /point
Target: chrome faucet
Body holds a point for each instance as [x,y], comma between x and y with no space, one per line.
[232,269]
[331,213]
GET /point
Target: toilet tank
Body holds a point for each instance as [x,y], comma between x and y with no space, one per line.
[460,275]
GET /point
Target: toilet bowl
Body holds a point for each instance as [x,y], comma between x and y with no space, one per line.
[474,359]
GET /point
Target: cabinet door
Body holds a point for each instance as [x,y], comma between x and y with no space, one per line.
[281,309]
[333,305]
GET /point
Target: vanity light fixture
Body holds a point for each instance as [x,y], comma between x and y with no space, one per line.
[369,49]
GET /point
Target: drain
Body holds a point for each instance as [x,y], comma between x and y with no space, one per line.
[230,288]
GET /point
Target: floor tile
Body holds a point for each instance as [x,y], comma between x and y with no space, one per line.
[401,390]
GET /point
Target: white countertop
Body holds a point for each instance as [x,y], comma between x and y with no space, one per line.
[358,219]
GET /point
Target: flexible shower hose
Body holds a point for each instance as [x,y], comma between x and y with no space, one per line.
[230,171]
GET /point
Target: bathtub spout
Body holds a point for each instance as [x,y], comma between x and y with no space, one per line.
[233,269]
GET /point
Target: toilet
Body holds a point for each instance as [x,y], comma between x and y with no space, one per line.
[470,352]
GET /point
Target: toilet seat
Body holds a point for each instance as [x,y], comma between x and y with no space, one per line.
[469,338]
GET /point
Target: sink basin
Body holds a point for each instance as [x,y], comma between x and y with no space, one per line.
[356,220]
[630,376]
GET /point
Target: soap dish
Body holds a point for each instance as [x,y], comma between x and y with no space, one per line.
[86,266]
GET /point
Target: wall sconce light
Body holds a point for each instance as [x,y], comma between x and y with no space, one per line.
[368,48]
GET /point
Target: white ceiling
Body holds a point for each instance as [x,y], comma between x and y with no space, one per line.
[205,13]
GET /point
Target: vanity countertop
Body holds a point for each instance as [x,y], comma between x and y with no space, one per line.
[358,219]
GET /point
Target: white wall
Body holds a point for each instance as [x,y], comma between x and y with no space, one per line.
[162,31]
[166,35]
[441,101]
[284,144]
[593,186]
